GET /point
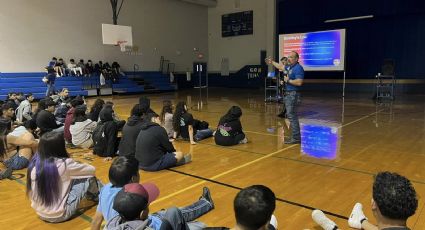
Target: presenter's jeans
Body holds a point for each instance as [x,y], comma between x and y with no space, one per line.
[292,100]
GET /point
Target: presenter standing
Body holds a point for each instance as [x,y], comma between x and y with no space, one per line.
[293,82]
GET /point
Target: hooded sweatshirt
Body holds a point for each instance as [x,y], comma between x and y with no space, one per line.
[24,111]
[82,131]
[110,132]
[152,143]
[129,136]
[228,128]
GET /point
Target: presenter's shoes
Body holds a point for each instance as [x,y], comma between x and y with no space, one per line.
[292,141]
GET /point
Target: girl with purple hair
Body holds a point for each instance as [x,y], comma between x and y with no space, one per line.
[56,183]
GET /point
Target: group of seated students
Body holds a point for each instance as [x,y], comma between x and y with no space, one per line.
[146,136]
[57,184]
[85,69]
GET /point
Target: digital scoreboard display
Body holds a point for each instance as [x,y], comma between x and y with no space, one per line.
[236,24]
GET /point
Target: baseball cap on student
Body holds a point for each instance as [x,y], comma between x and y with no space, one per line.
[134,198]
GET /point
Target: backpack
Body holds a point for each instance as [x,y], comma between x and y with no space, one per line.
[99,139]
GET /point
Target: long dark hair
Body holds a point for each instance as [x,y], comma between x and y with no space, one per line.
[47,178]
[234,113]
[3,138]
[180,110]
[80,114]
[167,107]
[96,108]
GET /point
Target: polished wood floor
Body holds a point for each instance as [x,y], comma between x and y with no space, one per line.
[372,138]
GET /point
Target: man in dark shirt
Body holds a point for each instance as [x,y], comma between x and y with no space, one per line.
[46,121]
[7,113]
[154,151]
[394,200]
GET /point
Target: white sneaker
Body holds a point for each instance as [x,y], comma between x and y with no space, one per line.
[356,216]
[320,218]
[273,222]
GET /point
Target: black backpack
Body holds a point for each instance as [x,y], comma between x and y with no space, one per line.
[99,139]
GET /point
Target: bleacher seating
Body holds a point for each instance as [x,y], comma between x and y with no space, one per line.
[131,83]
[155,80]
[31,83]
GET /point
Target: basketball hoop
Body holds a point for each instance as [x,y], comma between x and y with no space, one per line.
[122,45]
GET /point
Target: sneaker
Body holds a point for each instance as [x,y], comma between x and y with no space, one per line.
[356,217]
[6,173]
[320,218]
[207,196]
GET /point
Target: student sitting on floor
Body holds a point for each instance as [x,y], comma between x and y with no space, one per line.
[145,105]
[154,151]
[95,109]
[7,114]
[61,97]
[17,147]
[105,135]
[394,200]
[132,204]
[123,170]
[130,131]
[188,128]
[229,130]
[167,118]
[82,128]
[70,118]
[56,184]
[46,120]
[24,110]
[120,123]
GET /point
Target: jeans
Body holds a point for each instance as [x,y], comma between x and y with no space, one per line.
[202,134]
[50,89]
[87,188]
[179,218]
[292,99]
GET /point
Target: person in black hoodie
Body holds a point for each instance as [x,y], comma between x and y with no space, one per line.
[105,134]
[154,151]
[46,121]
[145,105]
[130,132]
[229,130]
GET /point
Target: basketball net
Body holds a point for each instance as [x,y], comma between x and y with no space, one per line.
[121,44]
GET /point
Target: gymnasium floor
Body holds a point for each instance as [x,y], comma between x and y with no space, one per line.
[372,138]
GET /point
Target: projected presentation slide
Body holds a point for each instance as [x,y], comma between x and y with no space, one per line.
[319,51]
